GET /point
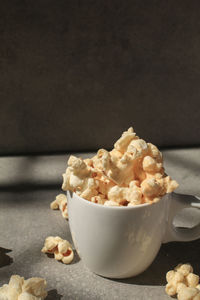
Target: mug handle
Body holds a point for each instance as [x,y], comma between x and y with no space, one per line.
[177,203]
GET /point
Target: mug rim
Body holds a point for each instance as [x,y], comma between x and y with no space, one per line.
[87,202]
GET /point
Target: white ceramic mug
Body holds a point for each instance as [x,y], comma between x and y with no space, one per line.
[120,242]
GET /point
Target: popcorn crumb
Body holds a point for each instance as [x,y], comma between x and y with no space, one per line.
[61,249]
[20,289]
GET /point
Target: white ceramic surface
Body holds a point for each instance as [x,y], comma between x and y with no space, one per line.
[120,242]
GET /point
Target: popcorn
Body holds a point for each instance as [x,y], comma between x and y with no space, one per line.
[79,177]
[132,194]
[123,142]
[16,283]
[138,146]
[173,280]
[180,286]
[150,165]
[198,287]
[151,187]
[183,282]
[35,286]
[111,203]
[111,176]
[76,174]
[60,203]
[104,185]
[170,185]
[90,190]
[192,280]
[27,296]
[20,289]
[98,199]
[116,194]
[61,249]
[188,293]
[123,172]
[102,161]
[155,153]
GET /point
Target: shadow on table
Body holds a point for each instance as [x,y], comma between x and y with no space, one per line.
[170,255]
[76,258]
[5,259]
[53,295]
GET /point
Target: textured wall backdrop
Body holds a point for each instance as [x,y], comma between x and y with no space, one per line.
[75,74]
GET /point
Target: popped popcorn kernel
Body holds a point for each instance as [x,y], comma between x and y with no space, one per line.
[188,293]
[140,146]
[123,142]
[169,184]
[60,203]
[198,286]
[16,282]
[170,275]
[35,286]
[56,203]
[111,203]
[183,282]
[116,194]
[134,195]
[104,185]
[192,280]
[170,289]
[185,269]
[150,187]
[180,286]
[155,153]
[98,199]
[19,289]
[76,174]
[106,177]
[61,249]
[150,165]
[27,296]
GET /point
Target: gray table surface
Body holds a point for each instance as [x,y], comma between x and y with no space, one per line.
[29,184]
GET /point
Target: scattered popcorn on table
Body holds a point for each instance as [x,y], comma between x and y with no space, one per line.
[61,249]
[131,174]
[183,282]
[188,293]
[60,203]
[20,289]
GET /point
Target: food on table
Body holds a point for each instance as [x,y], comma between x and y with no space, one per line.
[20,289]
[131,174]
[61,249]
[60,203]
[183,282]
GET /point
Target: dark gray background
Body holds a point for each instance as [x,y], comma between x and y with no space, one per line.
[75,74]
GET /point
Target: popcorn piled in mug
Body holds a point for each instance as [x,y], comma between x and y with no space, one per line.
[132,173]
